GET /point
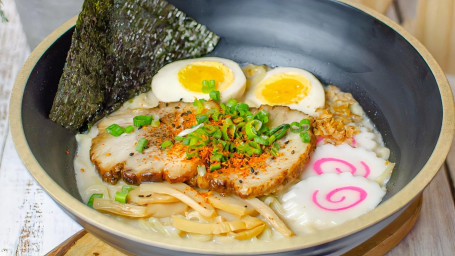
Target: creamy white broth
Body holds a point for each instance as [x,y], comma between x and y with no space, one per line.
[89,181]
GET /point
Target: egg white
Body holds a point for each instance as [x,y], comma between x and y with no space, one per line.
[167,87]
[307,104]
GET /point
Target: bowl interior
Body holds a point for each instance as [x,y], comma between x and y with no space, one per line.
[339,44]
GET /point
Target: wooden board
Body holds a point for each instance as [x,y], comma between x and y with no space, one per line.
[84,243]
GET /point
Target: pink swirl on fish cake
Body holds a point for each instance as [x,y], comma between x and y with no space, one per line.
[329,197]
[317,166]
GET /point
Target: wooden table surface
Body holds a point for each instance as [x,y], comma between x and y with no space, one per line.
[32,224]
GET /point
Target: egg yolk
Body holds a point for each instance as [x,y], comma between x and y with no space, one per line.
[283,89]
[192,75]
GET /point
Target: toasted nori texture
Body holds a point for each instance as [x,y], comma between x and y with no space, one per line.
[117,47]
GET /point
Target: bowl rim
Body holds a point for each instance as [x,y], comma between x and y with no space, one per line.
[95,219]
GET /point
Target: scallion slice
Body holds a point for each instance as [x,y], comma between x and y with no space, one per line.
[208,86]
[155,123]
[215,95]
[179,138]
[252,128]
[141,144]
[129,129]
[214,167]
[201,118]
[115,130]
[261,140]
[306,138]
[127,188]
[305,124]
[279,131]
[142,120]
[296,127]
[231,102]
[199,104]
[92,197]
[166,144]
[121,197]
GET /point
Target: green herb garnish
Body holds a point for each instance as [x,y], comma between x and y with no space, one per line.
[92,198]
[139,121]
[115,130]
[141,144]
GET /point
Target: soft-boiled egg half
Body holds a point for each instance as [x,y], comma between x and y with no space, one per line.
[293,87]
[182,80]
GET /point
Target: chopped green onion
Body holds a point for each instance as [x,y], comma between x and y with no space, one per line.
[216,157]
[274,152]
[92,197]
[210,129]
[141,144]
[250,148]
[191,155]
[179,138]
[306,138]
[208,86]
[242,107]
[276,146]
[217,134]
[262,116]
[121,197]
[199,104]
[155,123]
[261,140]
[252,128]
[194,140]
[186,141]
[305,124]
[279,131]
[215,95]
[271,139]
[295,127]
[139,121]
[115,130]
[201,118]
[214,167]
[305,121]
[127,188]
[166,144]
[231,103]
[129,129]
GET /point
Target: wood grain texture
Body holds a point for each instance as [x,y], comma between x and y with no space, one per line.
[13,51]
[35,224]
[435,229]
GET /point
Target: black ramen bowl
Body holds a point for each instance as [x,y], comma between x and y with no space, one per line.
[392,76]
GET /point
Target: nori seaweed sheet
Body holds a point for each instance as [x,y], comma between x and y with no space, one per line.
[117,47]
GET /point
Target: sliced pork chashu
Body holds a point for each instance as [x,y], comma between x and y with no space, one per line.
[116,157]
[265,175]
